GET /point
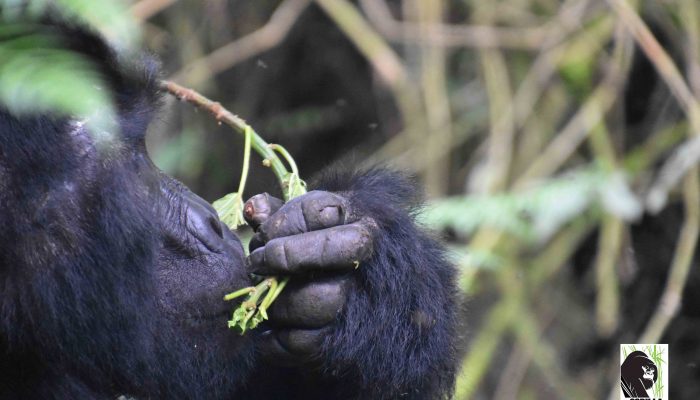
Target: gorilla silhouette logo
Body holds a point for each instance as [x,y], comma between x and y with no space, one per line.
[638,374]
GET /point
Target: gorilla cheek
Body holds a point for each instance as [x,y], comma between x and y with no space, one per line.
[190,291]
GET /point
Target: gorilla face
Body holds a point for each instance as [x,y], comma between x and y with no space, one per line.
[110,254]
[638,374]
[199,260]
[195,260]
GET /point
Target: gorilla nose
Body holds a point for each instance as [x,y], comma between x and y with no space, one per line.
[204,224]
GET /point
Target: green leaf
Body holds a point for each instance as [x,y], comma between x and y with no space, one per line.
[295,186]
[36,77]
[111,18]
[256,320]
[238,316]
[540,211]
[230,210]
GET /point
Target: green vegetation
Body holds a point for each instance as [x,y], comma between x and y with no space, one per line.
[511,113]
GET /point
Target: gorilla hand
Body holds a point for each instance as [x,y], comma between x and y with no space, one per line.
[385,330]
[319,241]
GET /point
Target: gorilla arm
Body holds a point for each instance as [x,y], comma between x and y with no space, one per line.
[381,328]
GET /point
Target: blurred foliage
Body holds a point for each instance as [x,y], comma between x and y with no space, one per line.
[38,74]
[541,130]
[548,136]
[537,213]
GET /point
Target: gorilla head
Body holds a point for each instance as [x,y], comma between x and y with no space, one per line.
[638,374]
[111,272]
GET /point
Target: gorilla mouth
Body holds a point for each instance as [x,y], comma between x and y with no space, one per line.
[208,319]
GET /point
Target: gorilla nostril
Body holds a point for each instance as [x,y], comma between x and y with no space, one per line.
[216,226]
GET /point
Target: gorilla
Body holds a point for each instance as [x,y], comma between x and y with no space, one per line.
[638,374]
[112,274]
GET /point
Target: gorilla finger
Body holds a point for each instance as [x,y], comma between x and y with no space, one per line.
[313,304]
[292,346]
[259,208]
[255,243]
[311,212]
[338,248]
[324,210]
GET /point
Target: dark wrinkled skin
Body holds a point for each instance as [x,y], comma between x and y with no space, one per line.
[112,274]
[314,239]
[198,260]
[116,269]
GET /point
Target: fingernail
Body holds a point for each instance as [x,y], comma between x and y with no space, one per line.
[257,209]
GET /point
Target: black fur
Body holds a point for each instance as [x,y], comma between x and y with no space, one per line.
[80,242]
[396,338]
[633,381]
[86,237]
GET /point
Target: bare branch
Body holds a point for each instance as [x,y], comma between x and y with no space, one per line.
[366,39]
[222,115]
[263,39]
[145,9]
[443,35]
[660,59]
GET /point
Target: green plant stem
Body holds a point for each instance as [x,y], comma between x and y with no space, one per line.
[268,298]
[270,287]
[608,292]
[248,132]
[277,292]
[239,293]
[288,157]
[237,123]
[260,289]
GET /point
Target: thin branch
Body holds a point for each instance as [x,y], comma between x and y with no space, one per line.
[386,63]
[223,115]
[484,346]
[690,15]
[608,289]
[443,35]
[263,39]
[659,58]
[367,40]
[676,167]
[514,373]
[502,127]
[571,136]
[612,229]
[670,302]
[494,70]
[145,9]
[528,334]
[570,19]
[434,82]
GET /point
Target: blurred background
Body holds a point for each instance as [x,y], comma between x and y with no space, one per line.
[557,142]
